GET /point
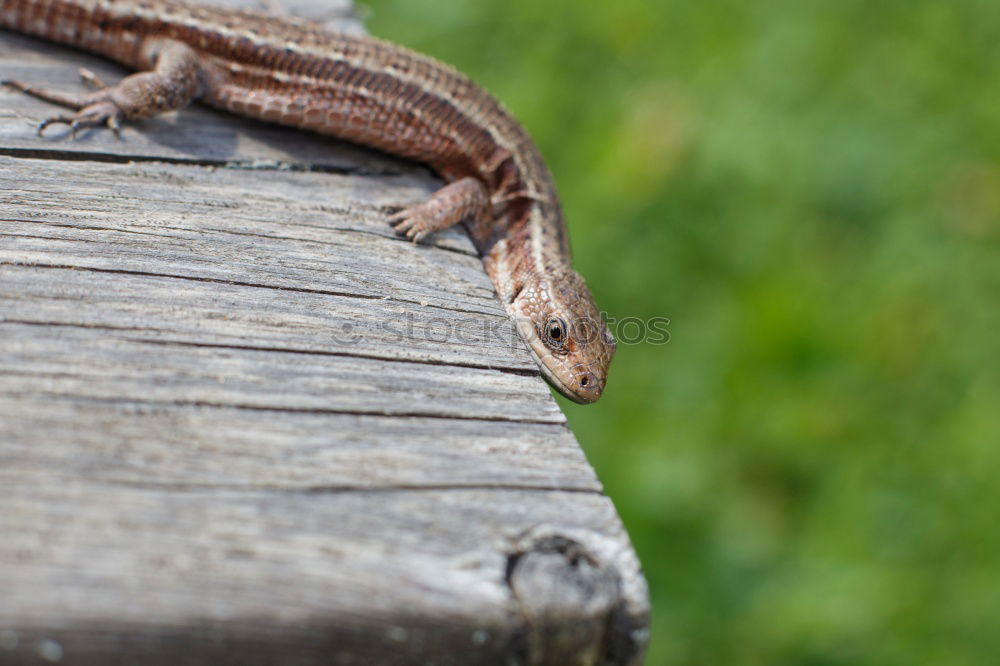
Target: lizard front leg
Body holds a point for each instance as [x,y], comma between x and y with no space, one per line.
[463,199]
[173,83]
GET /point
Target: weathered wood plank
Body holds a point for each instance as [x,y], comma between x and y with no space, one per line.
[235,448]
[95,364]
[242,423]
[285,246]
[307,577]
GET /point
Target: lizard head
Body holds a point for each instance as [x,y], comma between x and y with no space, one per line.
[557,317]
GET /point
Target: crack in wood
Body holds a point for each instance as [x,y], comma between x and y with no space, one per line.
[346,488]
[251,285]
[284,409]
[239,165]
[520,372]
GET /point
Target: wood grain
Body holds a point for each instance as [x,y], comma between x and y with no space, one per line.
[242,423]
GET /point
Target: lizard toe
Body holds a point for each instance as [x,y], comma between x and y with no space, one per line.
[413,223]
[102,113]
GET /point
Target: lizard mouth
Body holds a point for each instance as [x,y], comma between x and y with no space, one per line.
[582,396]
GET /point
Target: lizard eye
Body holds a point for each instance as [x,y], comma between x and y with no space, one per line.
[555,331]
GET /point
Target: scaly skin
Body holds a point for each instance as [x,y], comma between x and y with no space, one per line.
[297,73]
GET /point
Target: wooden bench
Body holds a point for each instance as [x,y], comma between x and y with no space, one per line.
[242,423]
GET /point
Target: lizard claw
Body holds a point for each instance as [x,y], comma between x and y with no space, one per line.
[114,124]
[65,120]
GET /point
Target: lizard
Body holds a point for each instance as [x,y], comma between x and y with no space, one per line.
[371,92]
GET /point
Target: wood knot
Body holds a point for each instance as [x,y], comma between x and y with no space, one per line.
[568,600]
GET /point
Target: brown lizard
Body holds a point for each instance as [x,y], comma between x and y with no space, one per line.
[298,73]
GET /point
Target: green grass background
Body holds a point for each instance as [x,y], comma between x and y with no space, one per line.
[810,191]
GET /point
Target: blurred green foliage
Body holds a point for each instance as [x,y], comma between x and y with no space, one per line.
[811,192]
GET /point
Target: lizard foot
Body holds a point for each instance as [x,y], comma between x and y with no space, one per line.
[91,110]
[95,115]
[419,221]
[465,198]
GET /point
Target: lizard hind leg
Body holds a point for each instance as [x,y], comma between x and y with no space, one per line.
[463,199]
[171,85]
